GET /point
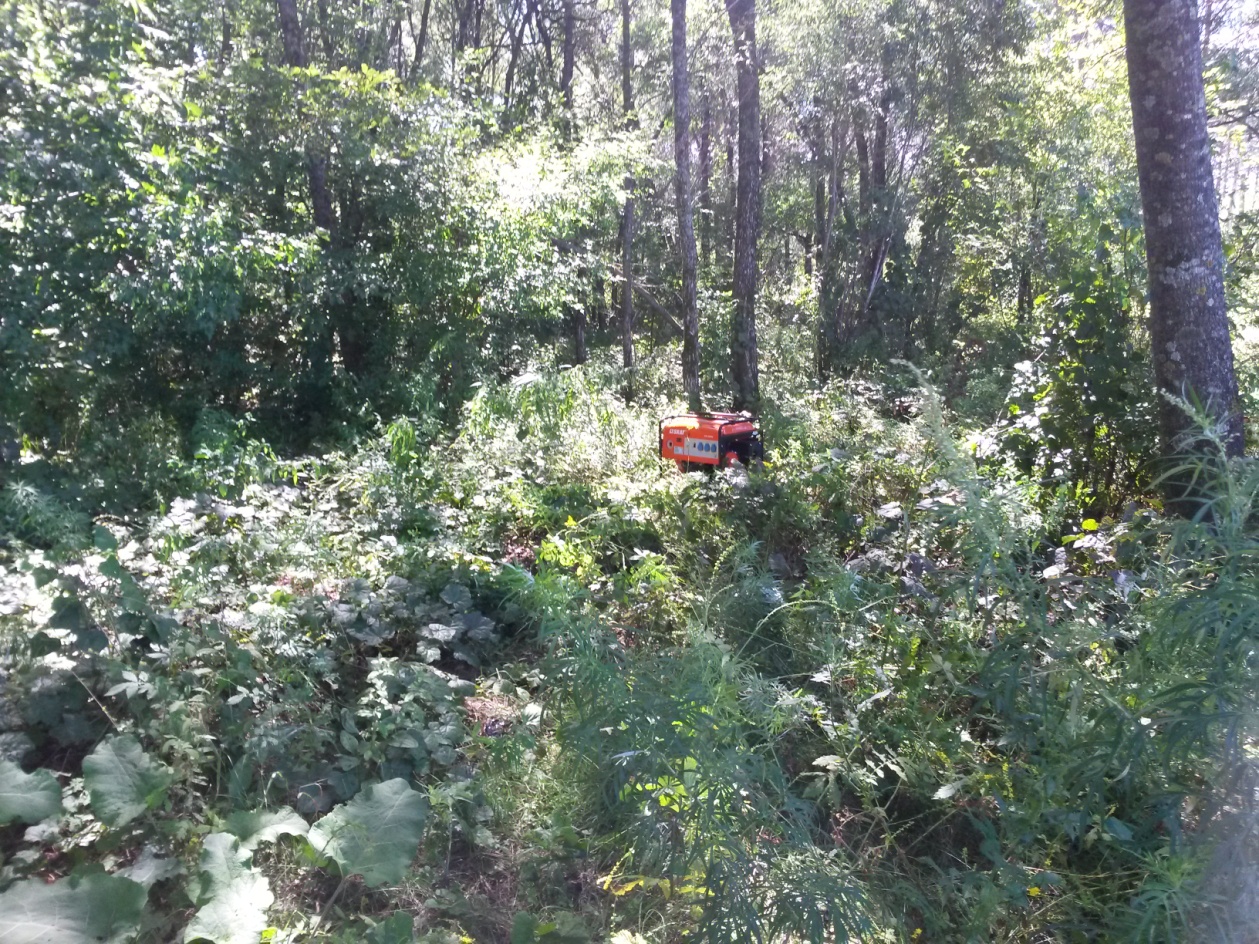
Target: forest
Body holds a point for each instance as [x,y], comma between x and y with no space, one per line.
[347,596]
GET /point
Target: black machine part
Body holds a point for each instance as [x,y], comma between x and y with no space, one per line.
[747,446]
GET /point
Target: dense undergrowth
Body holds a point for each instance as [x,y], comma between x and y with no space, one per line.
[526,683]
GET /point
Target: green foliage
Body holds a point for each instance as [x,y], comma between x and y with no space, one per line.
[124,781]
[83,909]
[233,897]
[259,826]
[27,798]
[1081,413]
[339,603]
[375,834]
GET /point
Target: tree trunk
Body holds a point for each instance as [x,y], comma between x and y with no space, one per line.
[291,34]
[421,40]
[1193,355]
[566,70]
[325,33]
[316,164]
[831,292]
[517,42]
[627,273]
[813,259]
[863,171]
[705,185]
[627,220]
[600,301]
[318,377]
[627,67]
[686,225]
[743,352]
[579,334]
[732,199]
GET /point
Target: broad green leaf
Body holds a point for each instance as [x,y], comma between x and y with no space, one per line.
[235,897]
[123,781]
[91,909]
[524,929]
[103,539]
[398,928]
[1119,829]
[259,826]
[374,835]
[152,867]
[27,798]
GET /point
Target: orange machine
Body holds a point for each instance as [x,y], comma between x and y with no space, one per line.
[709,440]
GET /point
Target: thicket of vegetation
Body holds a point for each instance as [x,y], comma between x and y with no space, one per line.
[343,593]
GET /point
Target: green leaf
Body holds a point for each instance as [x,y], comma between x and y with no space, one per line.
[123,781]
[1089,524]
[27,798]
[103,539]
[90,909]
[524,929]
[265,826]
[152,867]
[398,928]
[374,835]
[1119,829]
[235,896]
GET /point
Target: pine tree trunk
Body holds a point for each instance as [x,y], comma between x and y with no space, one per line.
[566,70]
[627,219]
[1192,351]
[421,40]
[686,225]
[579,334]
[705,184]
[743,351]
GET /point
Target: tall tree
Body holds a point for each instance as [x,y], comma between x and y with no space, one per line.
[705,183]
[316,164]
[420,38]
[686,225]
[743,352]
[567,68]
[627,219]
[1192,352]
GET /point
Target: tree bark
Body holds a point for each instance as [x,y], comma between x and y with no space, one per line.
[567,68]
[817,141]
[686,224]
[627,219]
[831,293]
[316,164]
[1192,351]
[421,40]
[291,34]
[705,184]
[517,42]
[743,351]
[579,334]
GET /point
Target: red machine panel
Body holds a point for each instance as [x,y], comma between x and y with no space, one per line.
[708,439]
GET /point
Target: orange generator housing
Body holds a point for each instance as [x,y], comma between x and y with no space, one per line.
[713,440]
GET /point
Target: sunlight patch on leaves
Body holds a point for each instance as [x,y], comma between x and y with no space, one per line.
[236,896]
